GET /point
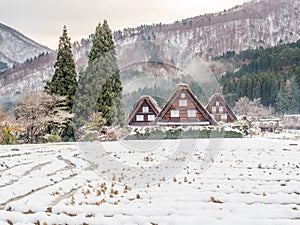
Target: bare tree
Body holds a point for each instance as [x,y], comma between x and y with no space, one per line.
[252,109]
[35,111]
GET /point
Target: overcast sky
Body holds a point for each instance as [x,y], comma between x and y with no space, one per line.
[43,20]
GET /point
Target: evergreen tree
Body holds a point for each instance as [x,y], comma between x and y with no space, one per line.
[297,75]
[102,76]
[282,100]
[102,43]
[63,82]
[257,91]
[109,101]
[295,99]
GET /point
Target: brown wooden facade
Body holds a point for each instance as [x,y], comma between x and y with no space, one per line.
[183,108]
[144,113]
[220,110]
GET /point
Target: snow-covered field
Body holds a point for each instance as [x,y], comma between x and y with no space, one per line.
[249,181]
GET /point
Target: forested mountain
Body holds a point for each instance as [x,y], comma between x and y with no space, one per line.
[29,76]
[272,74]
[252,25]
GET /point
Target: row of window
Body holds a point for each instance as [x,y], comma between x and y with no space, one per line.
[140,118]
[214,109]
[223,117]
[191,113]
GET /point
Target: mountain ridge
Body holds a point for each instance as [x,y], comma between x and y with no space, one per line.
[253,25]
[16,48]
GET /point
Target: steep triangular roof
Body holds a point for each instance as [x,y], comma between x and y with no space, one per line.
[226,110]
[202,116]
[149,101]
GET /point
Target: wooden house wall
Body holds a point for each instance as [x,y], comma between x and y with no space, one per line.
[217,114]
[183,111]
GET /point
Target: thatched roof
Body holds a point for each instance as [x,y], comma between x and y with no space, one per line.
[198,106]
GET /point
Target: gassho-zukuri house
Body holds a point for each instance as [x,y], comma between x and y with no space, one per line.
[182,109]
[144,113]
[220,110]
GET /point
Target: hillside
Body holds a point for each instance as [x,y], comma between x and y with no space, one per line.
[15,48]
[31,75]
[252,25]
[271,74]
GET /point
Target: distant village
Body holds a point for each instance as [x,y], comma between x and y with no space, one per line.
[184,109]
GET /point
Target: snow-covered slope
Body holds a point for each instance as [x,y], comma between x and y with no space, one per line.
[16,48]
[250,181]
[255,24]
[30,76]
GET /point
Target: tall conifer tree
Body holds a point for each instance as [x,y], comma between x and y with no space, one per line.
[103,57]
[282,100]
[64,81]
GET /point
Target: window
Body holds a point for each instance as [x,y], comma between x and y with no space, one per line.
[214,109]
[182,95]
[175,113]
[224,117]
[139,118]
[151,117]
[191,113]
[221,109]
[183,102]
[145,109]
[217,103]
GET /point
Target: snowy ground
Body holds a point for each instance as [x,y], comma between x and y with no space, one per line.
[249,181]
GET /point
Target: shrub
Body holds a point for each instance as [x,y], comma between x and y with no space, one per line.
[179,133]
[173,134]
[50,138]
[8,136]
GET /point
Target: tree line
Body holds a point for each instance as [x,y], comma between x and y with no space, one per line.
[70,101]
[271,74]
